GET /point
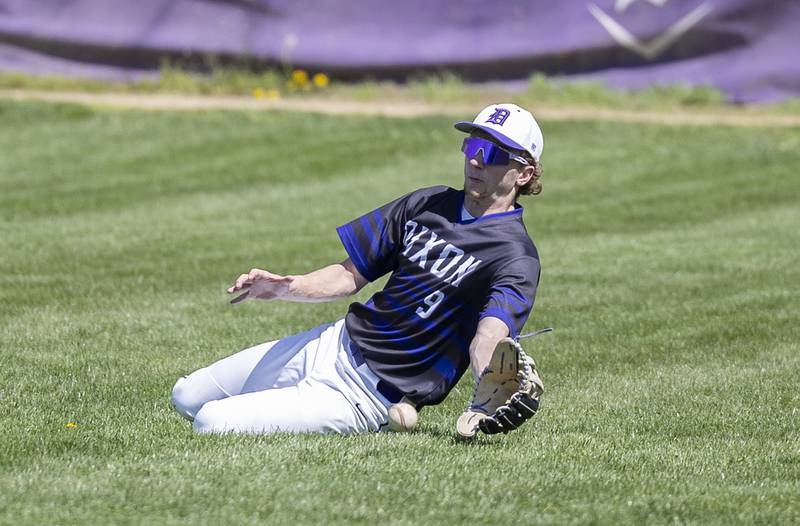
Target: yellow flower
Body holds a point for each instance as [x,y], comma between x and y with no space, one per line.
[72,425]
[299,77]
[259,93]
[321,80]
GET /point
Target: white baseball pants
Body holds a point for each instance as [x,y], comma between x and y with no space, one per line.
[308,382]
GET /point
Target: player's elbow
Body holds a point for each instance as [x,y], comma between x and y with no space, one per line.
[356,280]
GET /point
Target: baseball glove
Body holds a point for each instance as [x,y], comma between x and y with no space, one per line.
[506,393]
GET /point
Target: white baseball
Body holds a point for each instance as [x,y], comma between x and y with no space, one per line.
[402,417]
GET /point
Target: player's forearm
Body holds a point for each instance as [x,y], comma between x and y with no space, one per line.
[490,331]
[326,284]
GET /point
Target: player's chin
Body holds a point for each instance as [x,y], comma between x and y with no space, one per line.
[473,188]
[472,193]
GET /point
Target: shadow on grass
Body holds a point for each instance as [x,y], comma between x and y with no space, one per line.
[450,437]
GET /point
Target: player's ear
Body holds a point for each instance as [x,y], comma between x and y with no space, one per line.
[525,175]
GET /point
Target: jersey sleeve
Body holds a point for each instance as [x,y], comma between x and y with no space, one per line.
[372,239]
[512,293]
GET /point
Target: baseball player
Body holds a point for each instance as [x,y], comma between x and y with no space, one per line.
[464,274]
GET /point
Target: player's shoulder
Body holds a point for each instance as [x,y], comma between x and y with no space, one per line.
[426,197]
[521,249]
[512,232]
[433,192]
[518,247]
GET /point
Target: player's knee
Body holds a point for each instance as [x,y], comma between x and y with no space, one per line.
[192,392]
[185,399]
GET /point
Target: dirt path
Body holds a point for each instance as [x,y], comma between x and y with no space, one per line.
[728,116]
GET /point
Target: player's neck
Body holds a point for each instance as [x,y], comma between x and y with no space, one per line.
[483,207]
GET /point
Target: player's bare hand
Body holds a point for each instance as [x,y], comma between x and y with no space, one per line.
[260,285]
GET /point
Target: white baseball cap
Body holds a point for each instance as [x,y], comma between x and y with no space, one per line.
[509,124]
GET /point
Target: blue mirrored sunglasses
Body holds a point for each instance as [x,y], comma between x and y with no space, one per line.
[491,153]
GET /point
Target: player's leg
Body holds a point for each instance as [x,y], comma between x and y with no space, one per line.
[334,396]
[311,406]
[270,365]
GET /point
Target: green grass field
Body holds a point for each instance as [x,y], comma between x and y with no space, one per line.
[670,272]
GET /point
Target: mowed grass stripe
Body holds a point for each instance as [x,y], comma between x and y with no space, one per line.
[205,153]
[669,269]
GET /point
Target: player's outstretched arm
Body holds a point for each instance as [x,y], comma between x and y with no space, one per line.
[325,284]
[508,389]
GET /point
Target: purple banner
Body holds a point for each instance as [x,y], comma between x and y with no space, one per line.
[743,47]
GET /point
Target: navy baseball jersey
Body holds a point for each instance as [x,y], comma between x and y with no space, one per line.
[447,274]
